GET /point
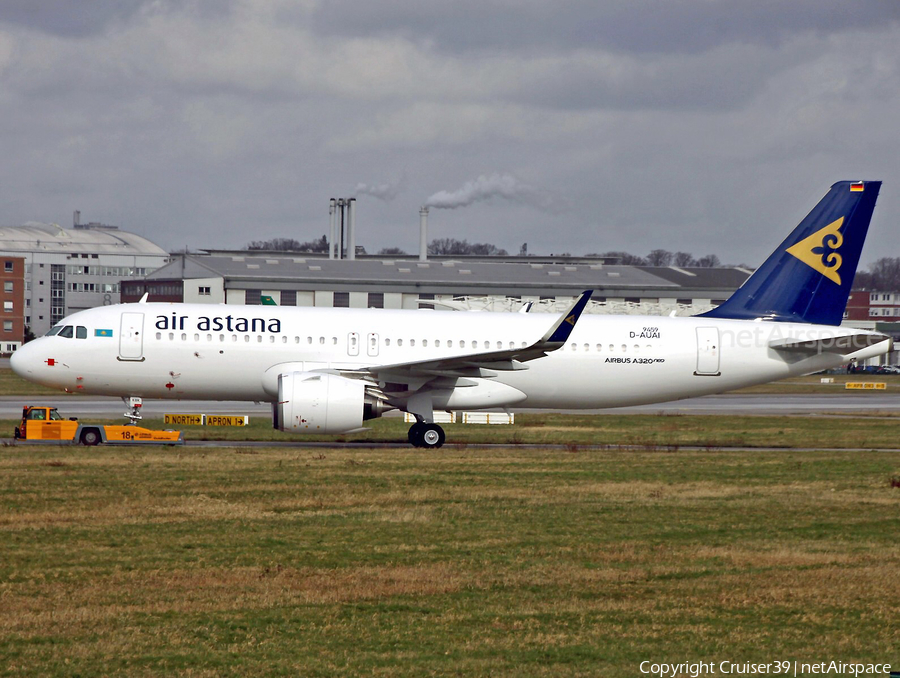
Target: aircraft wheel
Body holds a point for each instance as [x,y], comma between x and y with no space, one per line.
[90,437]
[415,434]
[432,436]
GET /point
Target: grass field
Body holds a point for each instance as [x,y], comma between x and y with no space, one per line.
[470,561]
[473,562]
[666,432]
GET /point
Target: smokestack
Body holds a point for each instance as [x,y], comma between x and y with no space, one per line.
[76,219]
[351,229]
[331,243]
[423,234]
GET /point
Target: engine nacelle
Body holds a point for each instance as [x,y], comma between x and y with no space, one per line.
[313,402]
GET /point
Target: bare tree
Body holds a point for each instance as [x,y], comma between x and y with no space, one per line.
[289,245]
[884,274]
[660,258]
[709,261]
[685,259]
[452,246]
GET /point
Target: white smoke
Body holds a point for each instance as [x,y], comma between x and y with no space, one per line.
[386,192]
[486,187]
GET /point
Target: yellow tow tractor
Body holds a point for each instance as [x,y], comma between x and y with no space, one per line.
[44,424]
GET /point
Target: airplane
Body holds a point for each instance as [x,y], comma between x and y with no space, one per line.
[328,370]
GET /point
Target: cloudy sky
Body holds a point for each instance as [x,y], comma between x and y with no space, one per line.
[708,126]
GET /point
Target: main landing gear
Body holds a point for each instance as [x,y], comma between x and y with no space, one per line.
[425,435]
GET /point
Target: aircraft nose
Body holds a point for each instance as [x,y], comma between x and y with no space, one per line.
[22,361]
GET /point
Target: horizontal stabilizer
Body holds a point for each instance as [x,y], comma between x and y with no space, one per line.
[845,345]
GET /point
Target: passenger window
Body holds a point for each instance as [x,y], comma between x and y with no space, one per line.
[159,335]
[81,332]
[399,342]
[387,342]
[171,336]
[587,347]
[321,340]
[66,332]
[184,336]
[412,342]
[437,342]
[424,342]
[599,348]
[246,338]
[449,343]
[462,343]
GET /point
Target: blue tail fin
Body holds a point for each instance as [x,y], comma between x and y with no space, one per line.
[808,278]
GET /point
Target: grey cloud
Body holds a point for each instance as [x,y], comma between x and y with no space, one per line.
[640,26]
[69,18]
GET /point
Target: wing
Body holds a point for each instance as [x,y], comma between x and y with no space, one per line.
[417,373]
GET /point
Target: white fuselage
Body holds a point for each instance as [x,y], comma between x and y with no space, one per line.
[194,351]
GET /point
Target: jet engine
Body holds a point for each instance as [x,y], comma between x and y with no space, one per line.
[315,402]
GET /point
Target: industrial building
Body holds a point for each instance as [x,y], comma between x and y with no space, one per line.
[67,270]
[495,283]
[12,298]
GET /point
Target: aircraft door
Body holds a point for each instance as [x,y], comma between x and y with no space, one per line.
[708,349]
[372,344]
[353,343]
[131,336]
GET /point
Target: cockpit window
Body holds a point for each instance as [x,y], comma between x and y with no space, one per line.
[66,332]
[53,330]
[80,332]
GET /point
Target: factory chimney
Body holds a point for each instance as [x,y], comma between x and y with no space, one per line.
[332,206]
[423,234]
[351,228]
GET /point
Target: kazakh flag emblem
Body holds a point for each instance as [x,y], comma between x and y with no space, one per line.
[103,333]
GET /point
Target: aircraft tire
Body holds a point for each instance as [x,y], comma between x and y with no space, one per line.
[432,436]
[415,434]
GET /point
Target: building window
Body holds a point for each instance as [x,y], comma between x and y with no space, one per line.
[7,326]
[8,306]
[7,286]
[342,300]
[253,297]
[289,298]
[376,299]
[203,291]
[8,266]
